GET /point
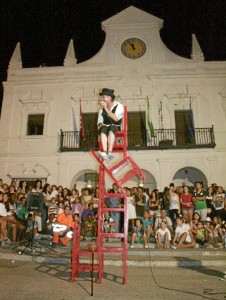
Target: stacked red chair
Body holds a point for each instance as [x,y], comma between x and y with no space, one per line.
[120,172]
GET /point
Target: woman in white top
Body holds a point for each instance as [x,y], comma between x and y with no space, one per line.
[183,237]
[131,205]
[174,206]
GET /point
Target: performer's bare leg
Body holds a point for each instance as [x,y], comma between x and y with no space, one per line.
[111,140]
[104,141]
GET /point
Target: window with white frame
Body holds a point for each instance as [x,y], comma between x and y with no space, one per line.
[35,124]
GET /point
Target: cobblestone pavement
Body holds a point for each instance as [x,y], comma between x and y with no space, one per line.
[27,280]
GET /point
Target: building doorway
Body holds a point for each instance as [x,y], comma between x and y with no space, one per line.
[185,132]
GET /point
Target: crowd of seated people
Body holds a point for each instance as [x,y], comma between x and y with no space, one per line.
[178,217]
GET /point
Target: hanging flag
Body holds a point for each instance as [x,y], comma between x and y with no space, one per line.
[191,128]
[82,129]
[150,124]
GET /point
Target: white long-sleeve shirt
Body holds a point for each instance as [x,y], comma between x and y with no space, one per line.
[119,112]
[3,212]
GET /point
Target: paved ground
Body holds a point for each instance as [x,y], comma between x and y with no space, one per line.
[27,280]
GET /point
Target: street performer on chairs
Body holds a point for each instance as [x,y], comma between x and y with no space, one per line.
[109,121]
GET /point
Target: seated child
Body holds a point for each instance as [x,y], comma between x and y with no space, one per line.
[218,234]
[148,223]
[60,208]
[89,227]
[32,227]
[53,208]
[109,223]
[50,223]
[158,212]
[77,208]
[76,218]
[138,232]
[200,237]
[163,236]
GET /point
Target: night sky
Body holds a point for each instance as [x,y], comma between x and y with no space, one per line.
[45,27]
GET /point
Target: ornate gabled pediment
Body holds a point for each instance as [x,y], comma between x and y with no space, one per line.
[134,17]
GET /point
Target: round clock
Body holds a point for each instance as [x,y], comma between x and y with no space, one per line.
[133,48]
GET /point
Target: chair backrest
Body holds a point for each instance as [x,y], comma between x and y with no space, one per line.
[121,136]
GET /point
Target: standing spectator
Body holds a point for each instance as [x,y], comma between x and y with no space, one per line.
[219,203]
[23,188]
[38,186]
[54,191]
[96,200]
[86,198]
[199,200]
[115,202]
[140,200]
[60,191]
[187,204]
[74,194]
[153,203]
[165,200]
[209,201]
[174,208]
[214,187]
[131,208]
[46,191]
[47,194]
[66,193]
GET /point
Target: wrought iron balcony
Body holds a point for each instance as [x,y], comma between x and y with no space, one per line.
[162,139]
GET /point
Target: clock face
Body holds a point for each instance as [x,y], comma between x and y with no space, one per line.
[133,48]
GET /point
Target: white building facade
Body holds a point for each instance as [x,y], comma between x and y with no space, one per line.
[155,84]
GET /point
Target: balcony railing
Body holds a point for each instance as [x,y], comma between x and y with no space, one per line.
[162,139]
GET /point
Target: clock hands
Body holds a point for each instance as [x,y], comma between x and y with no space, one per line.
[133,48]
[132,45]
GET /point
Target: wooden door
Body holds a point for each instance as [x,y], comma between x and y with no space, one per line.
[185,132]
[90,128]
[137,134]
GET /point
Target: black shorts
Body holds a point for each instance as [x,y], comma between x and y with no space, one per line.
[106,129]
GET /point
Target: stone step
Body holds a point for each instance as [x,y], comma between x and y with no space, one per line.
[136,257]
